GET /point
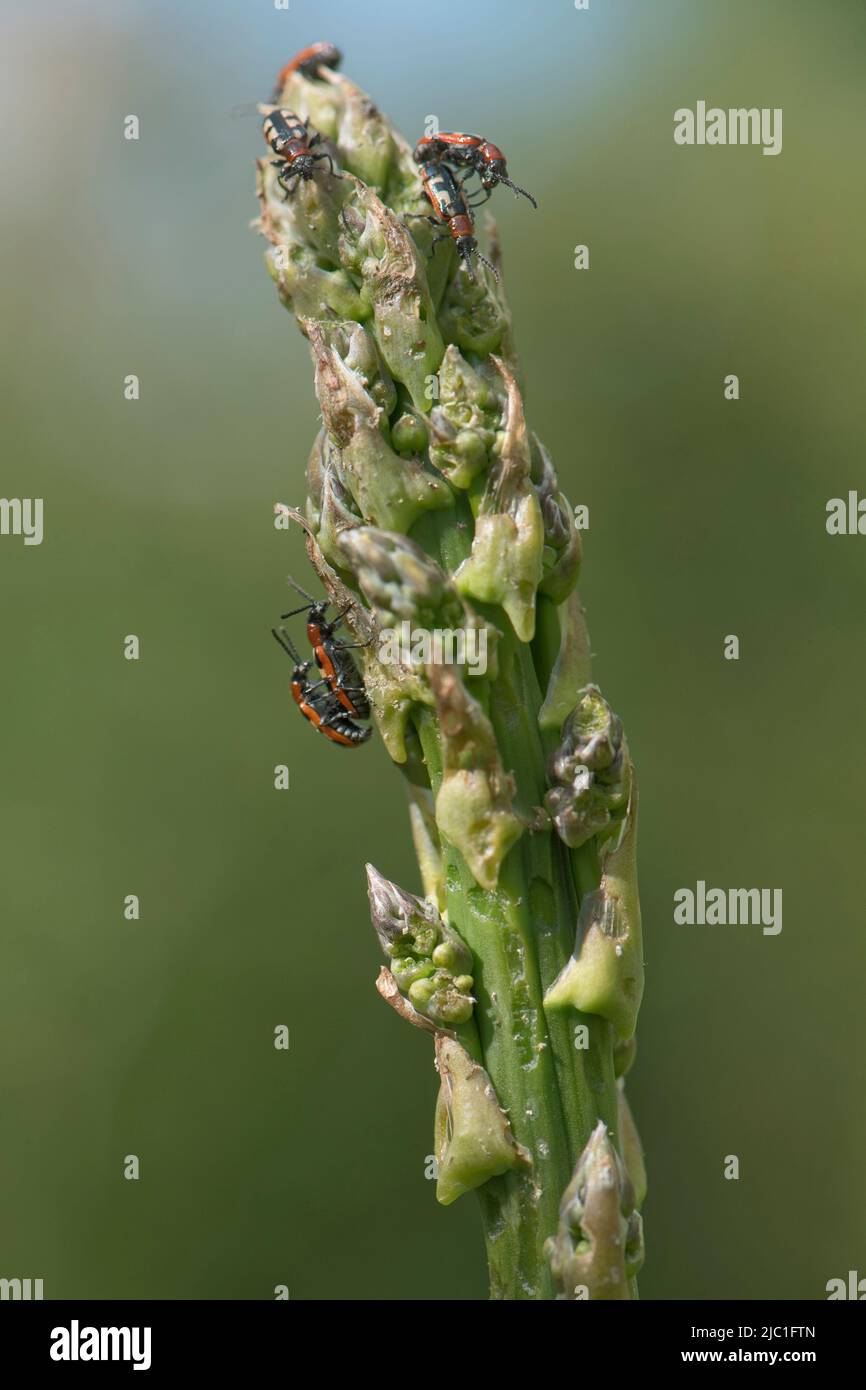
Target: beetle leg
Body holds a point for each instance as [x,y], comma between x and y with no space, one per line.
[446,236]
[324,155]
[340,616]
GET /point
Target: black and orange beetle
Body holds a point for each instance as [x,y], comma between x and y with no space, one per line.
[318,703]
[332,654]
[452,211]
[470,152]
[290,139]
[308,62]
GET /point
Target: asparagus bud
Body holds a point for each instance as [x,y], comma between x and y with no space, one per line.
[598,1247]
[589,771]
[390,491]
[399,580]
[430,963]
[571,668]
[473,1141]
[605,974]
[362,133]
[474,806]
[562,546]
[505,565]
[465,420]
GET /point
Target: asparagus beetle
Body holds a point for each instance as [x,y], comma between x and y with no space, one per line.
[319,705]
[308,61]
[290,139]
[452,210]
[471,152]
[333,658]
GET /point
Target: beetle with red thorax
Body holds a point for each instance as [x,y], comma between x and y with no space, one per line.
[317,702]
[290,139]
[308,62]
[470,152]
[451,210]
[333,655]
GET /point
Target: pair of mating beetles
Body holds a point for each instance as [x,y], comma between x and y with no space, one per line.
[440,158]
[338,698]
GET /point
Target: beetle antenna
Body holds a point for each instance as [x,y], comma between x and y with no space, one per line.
[518,189]
[287,645]
[466,257]
[297,587]
[489,264]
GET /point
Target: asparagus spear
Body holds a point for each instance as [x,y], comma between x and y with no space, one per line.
[432,505]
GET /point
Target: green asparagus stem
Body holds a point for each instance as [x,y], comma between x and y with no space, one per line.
[433,509]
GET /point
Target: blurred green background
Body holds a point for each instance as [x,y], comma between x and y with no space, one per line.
[155,777]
